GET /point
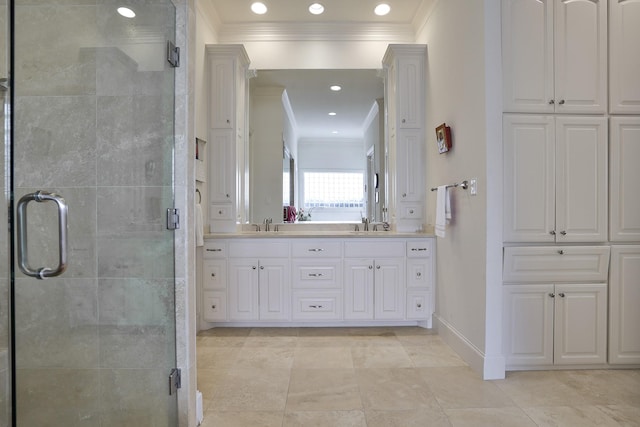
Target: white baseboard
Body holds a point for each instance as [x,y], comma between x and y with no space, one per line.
[489,368]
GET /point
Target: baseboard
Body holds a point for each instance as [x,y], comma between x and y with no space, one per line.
[489,368]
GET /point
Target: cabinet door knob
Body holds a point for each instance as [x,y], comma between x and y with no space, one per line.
[561,252]
[262,267]
[227,196]
[253,267]
[404,120]
[378,267]
[561,102]
[213,306]
[370,267]
[419,305]
[561,294]
[551,102]
[552,295]
[213,274]
[418,274]
[552,232]
[564,233]
[404,194]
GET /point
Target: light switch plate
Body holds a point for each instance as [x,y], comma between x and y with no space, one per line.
[473,187]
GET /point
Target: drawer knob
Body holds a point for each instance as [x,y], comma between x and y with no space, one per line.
[419,305]
[213,274]
[418,274]
[213,306]
[561,252]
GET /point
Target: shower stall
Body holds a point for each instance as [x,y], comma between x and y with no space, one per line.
[87,282]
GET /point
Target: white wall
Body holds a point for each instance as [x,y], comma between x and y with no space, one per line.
[458,65]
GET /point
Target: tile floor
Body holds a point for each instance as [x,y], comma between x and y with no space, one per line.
[390,377]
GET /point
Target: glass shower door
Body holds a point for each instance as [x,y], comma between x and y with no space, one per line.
[93,124]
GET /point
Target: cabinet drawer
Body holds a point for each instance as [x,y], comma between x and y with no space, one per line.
[317,305]
[556,264]
[418,304]
[214,274]
[261,249]
[320,274]
[214,306]
[373,248]
[419,248]
[221,211]
[419,273]
[214,249]
[318,248]
[410,211]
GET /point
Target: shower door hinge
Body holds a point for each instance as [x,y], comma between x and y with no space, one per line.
[173,219]
[175,381]
[173,54]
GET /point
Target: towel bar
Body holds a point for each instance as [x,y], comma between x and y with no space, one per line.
[464,184]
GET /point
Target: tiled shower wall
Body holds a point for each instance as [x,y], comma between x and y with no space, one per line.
[90,123]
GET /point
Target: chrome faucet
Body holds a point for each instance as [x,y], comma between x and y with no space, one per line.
[266,222]
[365,221]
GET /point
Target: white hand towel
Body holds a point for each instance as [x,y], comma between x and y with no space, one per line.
[443,210]
[199,226]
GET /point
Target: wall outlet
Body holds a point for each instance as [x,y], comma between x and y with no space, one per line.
[473,187]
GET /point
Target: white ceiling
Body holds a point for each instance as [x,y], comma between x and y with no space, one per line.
[310,97]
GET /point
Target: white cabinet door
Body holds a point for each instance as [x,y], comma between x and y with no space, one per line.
[410,153]
[555,179]
[581,179]
[529,178]
[554,56]
[528,324]
[625,176]
[358,289]
[624,315]
[389,289]
[222,162]
[624,61]
[527,55]
[580,56]
[410,99]
[580,324]
[221,92]
[243,289]
[273,284]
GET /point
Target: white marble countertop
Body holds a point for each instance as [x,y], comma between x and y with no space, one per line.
[318,234]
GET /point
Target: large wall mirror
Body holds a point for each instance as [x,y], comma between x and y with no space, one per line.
[317,148]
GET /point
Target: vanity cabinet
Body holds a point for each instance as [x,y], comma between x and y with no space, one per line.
[555,305]
[555,56]
[374,280]
[555,178]
[405,109]
[226,68]
[420,278]
[624,300]
[258,286]
[624,61]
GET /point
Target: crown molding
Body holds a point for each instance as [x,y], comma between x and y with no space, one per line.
[309,31]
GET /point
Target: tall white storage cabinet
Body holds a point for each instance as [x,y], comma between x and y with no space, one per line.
[405,95]
[554,56]
[624,67]
[226,75]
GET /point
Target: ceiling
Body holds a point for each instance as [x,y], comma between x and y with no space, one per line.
[310,98]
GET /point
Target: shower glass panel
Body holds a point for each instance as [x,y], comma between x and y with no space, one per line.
[92,122]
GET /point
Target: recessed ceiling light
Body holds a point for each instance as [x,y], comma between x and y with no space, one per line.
[126,12]
[382,9]
[259,8]
[316,8]
[332,113]
[335,88]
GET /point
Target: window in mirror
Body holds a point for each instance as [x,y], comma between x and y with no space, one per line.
[333,193]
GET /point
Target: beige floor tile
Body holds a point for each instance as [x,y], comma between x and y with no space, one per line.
[265,358]
[323,332]
[322,390]
[322,358]
[539,388]
[217,357]
[604,387]
[380,357]
[413,331]
[461,387]
[226,332]
[433,354]
[263,341]
[394,389]
[489,417]
[582,416]
[411,340]
[274,332]
[409,418]
[320,341]
[242,419]
[219,341]
[252,389]
[325,419]
[626,416]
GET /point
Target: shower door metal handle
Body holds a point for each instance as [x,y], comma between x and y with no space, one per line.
[21,218]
